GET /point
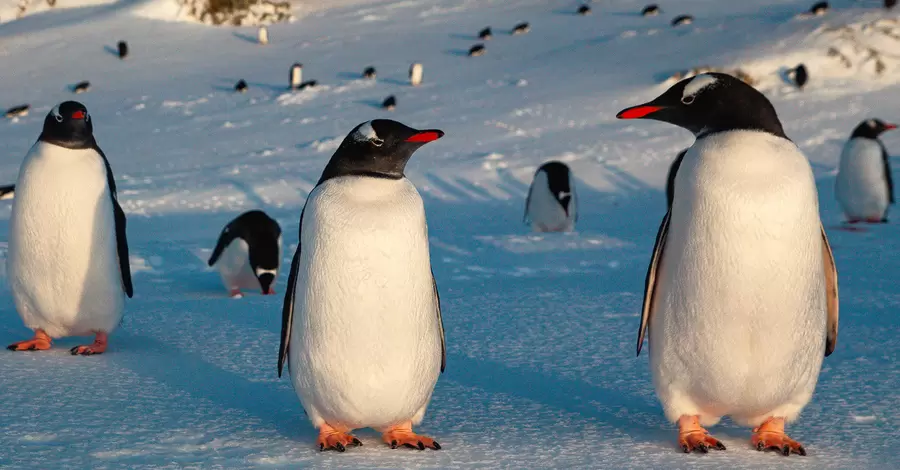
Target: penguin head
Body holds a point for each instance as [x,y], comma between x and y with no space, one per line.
[263,235]
[379,148]
[710,103]
[558,182]
[871,128]
[68,125]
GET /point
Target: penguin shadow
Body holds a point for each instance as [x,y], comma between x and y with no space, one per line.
[784,73]
[457,52]
[246,37]
[349,76]
[395,81]
[111,50]
[370,103]
[227,85]
[464,37]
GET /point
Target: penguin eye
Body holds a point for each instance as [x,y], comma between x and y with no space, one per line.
[58,118]
[377,142]
[688,99]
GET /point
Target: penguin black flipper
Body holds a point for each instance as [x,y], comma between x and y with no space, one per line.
[831,295]
[650,282]
[527,202]
[887,172]
[437,305]
[225,238]
[670,178]
[121,238]
[287,309]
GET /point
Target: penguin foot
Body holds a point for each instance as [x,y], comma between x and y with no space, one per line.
[331,438]
[97,347]
[402,435]
[770,435]
[269,292]
[692,436]
[40,342]
[236,294]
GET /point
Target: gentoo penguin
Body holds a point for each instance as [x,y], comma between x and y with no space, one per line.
[477,50]
[800,75]
[262,35]
[122,48]
[551,205]
[415,74]
[485,34]
[248,253]
[361,325]
[741,296]
[7,191]
[682,19]
[369,73]
[670,177]
[650,10]
[864,186]
[241,86]
[819,8]
[18,111]
[389,103]
[296,76]
[521,28]
[584,10]
[68,255]
[81,87]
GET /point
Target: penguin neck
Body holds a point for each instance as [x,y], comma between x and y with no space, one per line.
[376,168]
[72,143]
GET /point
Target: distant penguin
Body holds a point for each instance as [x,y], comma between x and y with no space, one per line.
[122,49]
[800,76]
[650,10]
[741,293]
[7,192]
[389,103]
[584,10]
[296,77]
[477,50]
[864,186]
[248,253]
[682,19]
[819,8]
[81,87]
[18,111]
[241,86]
[415,74]
[262,35]
[890,4]
[485,34]
[551,205]
[369,73]
[521,28]
[670,178]
[68,263]
[361,323]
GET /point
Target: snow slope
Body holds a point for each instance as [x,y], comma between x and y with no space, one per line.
[540,329]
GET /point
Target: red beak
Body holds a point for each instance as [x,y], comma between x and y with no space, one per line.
[426,136]
[78,115]
[888,127]
[638,112]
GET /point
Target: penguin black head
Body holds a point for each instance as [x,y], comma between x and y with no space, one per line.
[379,148]
[263,237]
[871,128]
[68,125]
[558,182]
[710,103]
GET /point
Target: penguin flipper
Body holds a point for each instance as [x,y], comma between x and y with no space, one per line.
[831,299]
[8,191]
[887,173]
[437,306]
[527,202]
[287,309]
[119,216]
[225,238]
[650,282]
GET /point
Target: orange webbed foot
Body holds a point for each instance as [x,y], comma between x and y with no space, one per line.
[97,347]
[692,436]
[331,438]
[402,435]
[770,435]
[40,342]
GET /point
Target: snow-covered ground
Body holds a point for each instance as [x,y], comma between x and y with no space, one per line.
[540,329]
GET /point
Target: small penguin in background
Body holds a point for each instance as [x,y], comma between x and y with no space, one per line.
[682,19]
[18,111]
[389,103]
[262,35]
[485,34]
[551,205]
[241,86]
[650,10]
[584,10]
[415,74]
[670,178]
[68,254]
[7,192]
[81,87]
[890,4]
[369,73]
[819,8]
[361,324]
[521,28]
[122,48]
[864,186]
[741,293]
[799,75]
[477,50]
[296,76]
[248,253]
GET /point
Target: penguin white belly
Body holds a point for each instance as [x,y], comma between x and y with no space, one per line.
[544,210]
[860,186]
[234,266]
[365,349]
[63,263]
[739,327]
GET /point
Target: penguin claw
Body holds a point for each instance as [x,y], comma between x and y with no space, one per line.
[39,342]
[692,436]
[404,436]
[97,347]
[770,436]
[330,438]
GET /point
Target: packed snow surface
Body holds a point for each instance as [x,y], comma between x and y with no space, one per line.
[540,328]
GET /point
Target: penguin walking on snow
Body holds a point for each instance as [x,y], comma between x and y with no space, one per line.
[864,186]
[551,205]
[248,253]
[741,296]
[68,254]
[361,326]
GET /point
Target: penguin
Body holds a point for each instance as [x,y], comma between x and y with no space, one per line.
[81,87]
[670,177]
[68,262]
[864,186]
[296,76]
[819,8]
[889,4]
[361,324]
[477,50]
[551,205]
[389,103]
[521,28]
[18,111]
[369,73]
[741,294]
[262,35]
[800,75]
[650,10]
[485,34]
[248,253]
[122,48]
[584,10]
[241,86]
[682,19]
[7,192]
[415,74]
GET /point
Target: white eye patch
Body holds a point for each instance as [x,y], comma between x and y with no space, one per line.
[871,123]
[696,86]
[55,113]
[365,132]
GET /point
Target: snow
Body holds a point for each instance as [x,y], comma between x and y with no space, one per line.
[540,328]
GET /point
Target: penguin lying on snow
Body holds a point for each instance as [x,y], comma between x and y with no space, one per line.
[361,325]
[68,254]
[551,205]
[864,186]
[248,253]
[7,192]
[741,294]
